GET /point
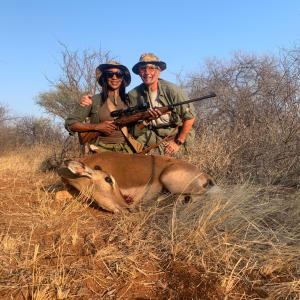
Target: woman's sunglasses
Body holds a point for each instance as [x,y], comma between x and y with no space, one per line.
[110,74]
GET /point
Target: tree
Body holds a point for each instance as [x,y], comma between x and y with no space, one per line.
[256,116]
[77,78]
[7,130]
[60,101]
[31,130]
[5,114]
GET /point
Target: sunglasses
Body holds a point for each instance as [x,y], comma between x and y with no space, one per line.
[110,74]
[151,69]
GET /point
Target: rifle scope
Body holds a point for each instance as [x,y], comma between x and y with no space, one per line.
[130,110]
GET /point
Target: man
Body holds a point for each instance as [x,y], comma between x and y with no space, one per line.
[158,92]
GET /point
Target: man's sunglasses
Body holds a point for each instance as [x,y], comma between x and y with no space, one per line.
[110,74]
[151,69]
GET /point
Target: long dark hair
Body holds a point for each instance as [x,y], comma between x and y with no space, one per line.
[103,82]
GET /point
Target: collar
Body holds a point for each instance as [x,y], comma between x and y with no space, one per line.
[146,90]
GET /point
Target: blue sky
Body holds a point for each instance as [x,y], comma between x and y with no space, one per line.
[181,33]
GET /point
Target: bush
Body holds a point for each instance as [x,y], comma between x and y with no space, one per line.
[252,129]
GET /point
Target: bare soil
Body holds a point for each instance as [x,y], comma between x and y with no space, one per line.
[56,251]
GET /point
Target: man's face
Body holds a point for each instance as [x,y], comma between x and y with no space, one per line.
[149,74]
[113,81]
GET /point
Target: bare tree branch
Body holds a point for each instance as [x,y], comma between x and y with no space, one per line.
[76,79]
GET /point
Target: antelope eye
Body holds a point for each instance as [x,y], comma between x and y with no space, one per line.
[108,179]
[98,168]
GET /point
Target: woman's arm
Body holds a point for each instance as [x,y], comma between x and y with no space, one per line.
[104,127]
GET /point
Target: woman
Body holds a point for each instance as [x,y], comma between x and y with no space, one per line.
[113,78]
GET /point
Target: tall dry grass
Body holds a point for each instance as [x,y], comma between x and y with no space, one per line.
[246,236]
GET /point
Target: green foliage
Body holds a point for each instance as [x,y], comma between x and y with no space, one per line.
[61,101]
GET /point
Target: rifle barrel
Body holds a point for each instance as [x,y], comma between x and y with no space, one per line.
[143,107]
[196,99]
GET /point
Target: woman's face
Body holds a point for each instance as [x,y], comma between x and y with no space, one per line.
[114,82]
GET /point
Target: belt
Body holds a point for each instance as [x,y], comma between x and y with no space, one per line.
[164,127]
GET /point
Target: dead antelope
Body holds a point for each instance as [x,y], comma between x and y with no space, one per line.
[101,185]
[136,176]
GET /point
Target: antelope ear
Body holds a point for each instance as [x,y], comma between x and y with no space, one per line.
[78,168]
[98,168]
[71,163]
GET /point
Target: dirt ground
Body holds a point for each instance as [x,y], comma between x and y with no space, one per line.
[69,250]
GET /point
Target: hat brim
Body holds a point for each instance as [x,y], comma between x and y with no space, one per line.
[161,64]
[103,67]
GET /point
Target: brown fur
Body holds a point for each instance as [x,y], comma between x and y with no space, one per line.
[99,184]
[145,176]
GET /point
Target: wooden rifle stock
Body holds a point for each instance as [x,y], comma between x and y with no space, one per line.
[87,136]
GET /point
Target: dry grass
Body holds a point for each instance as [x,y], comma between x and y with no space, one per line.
[242,243]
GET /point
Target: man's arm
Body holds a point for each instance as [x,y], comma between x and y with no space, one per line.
[186,127]
[172,147]
[86,100]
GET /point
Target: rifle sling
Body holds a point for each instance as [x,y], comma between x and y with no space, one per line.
[167,138]
[137,146]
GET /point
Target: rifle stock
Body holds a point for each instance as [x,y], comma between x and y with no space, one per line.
[87,136]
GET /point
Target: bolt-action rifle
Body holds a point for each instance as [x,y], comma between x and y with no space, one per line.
[134,114]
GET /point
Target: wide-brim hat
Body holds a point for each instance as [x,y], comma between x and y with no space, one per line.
[148,58]
[112,65]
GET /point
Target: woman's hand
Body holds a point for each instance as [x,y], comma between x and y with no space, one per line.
[105,127]
[86,100]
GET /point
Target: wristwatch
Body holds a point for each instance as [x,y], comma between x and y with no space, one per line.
[179,143]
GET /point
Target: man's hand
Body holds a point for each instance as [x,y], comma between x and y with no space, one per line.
[154,114]
[105,127]
[86,100]
[171,148]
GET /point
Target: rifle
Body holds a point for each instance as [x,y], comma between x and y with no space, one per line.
[134,114]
